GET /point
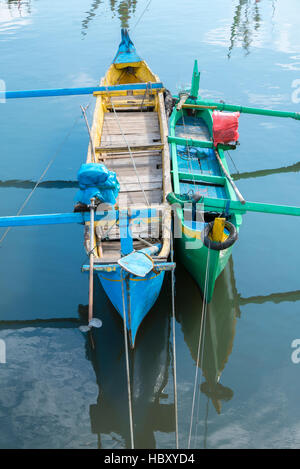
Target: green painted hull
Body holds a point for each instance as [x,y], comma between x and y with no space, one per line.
[197,258]
[196,170]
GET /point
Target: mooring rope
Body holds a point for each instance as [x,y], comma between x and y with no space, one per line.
[199,348]
[127,365]
[174,346]
[42,175]
[202,353]
[142,15]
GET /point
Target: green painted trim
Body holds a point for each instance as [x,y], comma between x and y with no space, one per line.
[203,177]
[190,142]
[198,143]
[195,81]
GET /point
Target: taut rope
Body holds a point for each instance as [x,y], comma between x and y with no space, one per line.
[127,365]
[202,325]
[174,347]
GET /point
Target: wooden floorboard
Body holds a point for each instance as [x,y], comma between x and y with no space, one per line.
[153,161]
[142,132]
[116,141]
[131,198]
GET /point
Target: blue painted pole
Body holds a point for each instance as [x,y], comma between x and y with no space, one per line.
[52,219]
[67,218]
[74,91]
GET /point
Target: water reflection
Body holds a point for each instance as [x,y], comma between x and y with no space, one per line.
[219,331]
[153,410]
[13,14]
[149,364]
[19,6]
[293,168]
[90,15]
[124,9]
[61,184]
[246,24]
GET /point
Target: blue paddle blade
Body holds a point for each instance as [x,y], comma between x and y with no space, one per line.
[137,263]
[95,322]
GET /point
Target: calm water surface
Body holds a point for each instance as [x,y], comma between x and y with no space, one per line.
[58,392]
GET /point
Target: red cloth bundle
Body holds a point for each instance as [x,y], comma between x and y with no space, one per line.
[225,127]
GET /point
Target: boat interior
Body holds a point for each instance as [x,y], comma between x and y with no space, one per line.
[129,132]
[194,161]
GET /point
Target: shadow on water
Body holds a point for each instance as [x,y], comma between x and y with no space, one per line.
[149,367]
[246,24]
[124,9]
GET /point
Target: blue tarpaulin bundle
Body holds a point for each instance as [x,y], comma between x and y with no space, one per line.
[96,181]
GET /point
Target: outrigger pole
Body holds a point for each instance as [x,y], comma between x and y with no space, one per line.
[193,102]
[55,218]
[75,91]
[203,104]
[209,203]
[236,206]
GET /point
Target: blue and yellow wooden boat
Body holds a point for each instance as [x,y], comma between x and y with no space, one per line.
[129,135]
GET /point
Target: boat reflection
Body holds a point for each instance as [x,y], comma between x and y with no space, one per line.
[219,330]
[149,366]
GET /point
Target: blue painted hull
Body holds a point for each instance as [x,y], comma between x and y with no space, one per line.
[140,295]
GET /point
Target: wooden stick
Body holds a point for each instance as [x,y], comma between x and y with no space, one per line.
[229,178]
[90,135]
[91,274]
[183,98]
[197,106]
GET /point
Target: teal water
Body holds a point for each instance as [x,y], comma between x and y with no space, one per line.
[56,390]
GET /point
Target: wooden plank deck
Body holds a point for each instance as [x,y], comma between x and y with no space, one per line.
[138,130]
[142,133]
[131,102]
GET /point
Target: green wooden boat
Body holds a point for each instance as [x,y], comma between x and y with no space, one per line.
[196,172]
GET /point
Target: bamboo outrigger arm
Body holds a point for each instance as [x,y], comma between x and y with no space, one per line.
[76,91]
[203,104]
[236,206]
